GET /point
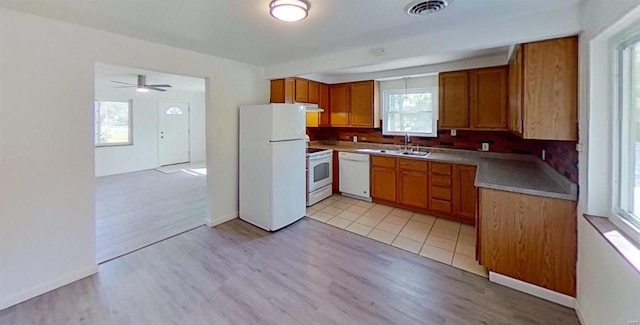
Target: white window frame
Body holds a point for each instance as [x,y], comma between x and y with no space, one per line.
[621,108]
[402,91]
[130,126]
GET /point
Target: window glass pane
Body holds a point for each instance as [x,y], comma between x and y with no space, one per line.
[112,122]
[409,112]
[174,111]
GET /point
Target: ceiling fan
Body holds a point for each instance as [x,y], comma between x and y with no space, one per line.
[142,86]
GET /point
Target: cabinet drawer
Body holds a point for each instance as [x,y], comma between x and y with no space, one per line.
[442,181]
[441,206]
[440,168]
[441,193]
[383,161]
[413,165]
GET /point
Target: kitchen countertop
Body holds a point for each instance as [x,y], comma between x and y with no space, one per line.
[517,173]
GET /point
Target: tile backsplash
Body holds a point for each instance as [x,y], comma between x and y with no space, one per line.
[561,155]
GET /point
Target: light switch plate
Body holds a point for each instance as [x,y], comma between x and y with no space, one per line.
[485,146]
[453,132]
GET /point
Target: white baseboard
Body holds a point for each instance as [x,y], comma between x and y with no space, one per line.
[533,290]
[46,287]
[212,223]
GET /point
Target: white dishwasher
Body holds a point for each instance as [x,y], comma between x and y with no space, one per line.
[354,175]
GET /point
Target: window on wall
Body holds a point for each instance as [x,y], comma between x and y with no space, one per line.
[628,132]
[410,111]
[113,123]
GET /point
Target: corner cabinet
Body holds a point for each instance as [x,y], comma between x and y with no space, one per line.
[529,238]
[465,200]
[474,99]
[544,90]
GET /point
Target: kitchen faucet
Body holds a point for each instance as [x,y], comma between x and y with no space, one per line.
[407,140]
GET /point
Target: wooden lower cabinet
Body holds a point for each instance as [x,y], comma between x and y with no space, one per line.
[529,238]
[336,173]
[442,189]
[465,202]
[383,183]
[412,188]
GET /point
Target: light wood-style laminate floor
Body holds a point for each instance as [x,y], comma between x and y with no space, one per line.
[137,209]
[307,273]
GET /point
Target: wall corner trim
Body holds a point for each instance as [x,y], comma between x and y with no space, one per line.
[580,313]
[214,222]
[48,286]
[533,290]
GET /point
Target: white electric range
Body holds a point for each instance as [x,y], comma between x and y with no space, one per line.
[319,175]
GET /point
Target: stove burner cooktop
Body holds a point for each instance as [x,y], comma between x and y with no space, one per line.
[312,150]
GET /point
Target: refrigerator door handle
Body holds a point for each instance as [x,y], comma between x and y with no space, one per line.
[287,140]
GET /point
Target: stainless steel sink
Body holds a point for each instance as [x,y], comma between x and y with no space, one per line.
[421,154]
[416,153]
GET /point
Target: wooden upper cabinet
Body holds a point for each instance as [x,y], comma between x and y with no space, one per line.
[302,90]
[454,100]
[529,238]
[549,95]
[282,90]
[339,104]
[363,102]
[515,91]
[465,194]
[314,92]
[323,102]
[488,89]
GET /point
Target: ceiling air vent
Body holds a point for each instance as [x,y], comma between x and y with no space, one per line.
[421,8]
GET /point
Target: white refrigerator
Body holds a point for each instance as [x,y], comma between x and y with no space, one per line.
[272,164]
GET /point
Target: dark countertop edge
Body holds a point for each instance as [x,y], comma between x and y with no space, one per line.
[527,191]
[570,195]
[603,226]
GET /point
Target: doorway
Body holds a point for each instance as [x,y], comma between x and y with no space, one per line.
[158,123]
[173,126]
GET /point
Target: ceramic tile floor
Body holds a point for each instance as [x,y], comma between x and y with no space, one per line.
[439,239]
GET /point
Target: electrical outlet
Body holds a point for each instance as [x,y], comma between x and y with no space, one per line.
[485,146]
[355,138]
[453,132]
[544,154]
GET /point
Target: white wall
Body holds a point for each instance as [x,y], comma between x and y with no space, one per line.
[46,141]
[608,288]
[143,154]
[421,82]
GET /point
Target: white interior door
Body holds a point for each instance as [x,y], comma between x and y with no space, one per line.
[173,128]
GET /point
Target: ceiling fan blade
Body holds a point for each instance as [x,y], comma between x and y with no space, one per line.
[125,83]
[156,89]
[125,86]
[161,85]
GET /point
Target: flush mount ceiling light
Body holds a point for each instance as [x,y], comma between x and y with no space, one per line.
[289,10]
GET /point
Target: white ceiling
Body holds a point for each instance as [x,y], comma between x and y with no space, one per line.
[244,31]
[105,73]
[420,61]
